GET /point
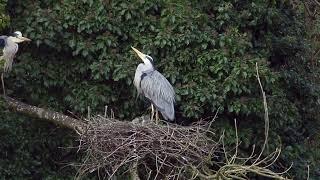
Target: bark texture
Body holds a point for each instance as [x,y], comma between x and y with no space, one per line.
[45,114]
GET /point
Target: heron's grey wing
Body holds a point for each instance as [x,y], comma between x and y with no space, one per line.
[9,53]
[157,88]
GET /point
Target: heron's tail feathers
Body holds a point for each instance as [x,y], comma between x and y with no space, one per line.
[168,113]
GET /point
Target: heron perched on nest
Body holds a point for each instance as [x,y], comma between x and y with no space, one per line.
[10,48]
[155,87]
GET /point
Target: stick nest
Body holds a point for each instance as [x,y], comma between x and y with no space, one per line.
[163,150]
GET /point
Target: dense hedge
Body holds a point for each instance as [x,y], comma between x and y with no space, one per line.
[4,18]
[80,56]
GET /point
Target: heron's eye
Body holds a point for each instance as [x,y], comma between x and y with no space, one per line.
[17,34]
[149,58]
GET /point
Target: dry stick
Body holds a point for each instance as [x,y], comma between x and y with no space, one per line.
[254,169]
[285,170]
[123,162]
[266,115]
[224,149]
[80,173]
[135,164]
[158,170]
[273,158]
[214,118]
[317,2]
[251,155]
[307,8]
[237,143]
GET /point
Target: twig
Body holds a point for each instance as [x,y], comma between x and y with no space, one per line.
[266,115]
[317,2]
[237,143]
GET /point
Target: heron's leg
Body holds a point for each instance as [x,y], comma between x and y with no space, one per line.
[3,89]
[152,112]
[157,117]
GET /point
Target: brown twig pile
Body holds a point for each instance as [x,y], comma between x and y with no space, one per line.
[163,150]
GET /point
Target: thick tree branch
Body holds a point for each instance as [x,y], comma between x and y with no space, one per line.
[55,117]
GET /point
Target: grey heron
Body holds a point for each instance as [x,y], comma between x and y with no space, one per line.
[10,48]
[155,87]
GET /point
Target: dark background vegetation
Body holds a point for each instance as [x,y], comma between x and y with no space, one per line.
[80,56]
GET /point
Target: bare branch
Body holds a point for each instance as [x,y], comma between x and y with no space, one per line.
[44,114]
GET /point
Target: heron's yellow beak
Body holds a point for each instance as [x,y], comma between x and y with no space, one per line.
[140,54]
[20,39]
[25,39]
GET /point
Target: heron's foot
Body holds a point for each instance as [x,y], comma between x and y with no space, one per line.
[154,115]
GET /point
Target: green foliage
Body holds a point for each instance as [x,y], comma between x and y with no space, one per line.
[80,56]
[210,61]
[31,149]
[4,18]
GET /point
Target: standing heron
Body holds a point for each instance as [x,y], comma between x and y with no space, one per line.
[155,87]
[10,48]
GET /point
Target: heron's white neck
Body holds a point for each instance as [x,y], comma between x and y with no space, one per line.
[14,39]
[11,39]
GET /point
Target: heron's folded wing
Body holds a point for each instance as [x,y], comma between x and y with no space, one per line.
[9,53]
[158,89]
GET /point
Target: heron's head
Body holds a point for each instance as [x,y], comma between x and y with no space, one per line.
[145,58]
[18,38]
